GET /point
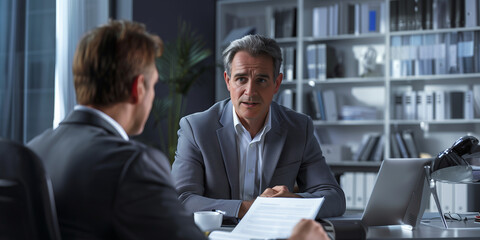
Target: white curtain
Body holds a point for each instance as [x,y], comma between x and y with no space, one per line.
[74,19]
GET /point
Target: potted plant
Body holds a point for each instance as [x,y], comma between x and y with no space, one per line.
[180,65]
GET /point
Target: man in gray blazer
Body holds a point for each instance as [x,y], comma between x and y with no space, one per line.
[248,146]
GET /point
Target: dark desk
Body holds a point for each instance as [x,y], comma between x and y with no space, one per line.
[351,166]
[422,232]
[430,228]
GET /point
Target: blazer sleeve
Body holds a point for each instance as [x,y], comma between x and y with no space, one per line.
[146,205]
[315,178]
[188,171]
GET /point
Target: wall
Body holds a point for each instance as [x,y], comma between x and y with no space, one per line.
[161,17]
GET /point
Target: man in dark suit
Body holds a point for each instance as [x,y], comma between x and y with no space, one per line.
[107,186]
[248,145]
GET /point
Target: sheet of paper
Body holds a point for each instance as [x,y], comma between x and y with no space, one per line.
[273,218]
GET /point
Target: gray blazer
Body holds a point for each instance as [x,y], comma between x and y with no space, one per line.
[206,167]
[109,188]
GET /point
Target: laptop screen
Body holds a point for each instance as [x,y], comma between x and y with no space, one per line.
[400,193]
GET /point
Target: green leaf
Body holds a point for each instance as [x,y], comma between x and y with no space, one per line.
[179,67]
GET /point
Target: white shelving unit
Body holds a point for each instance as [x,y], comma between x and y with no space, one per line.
[377,91]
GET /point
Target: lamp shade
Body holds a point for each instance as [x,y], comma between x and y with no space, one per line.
[451,165]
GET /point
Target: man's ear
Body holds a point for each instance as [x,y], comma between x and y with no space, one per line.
[227,79]
[278,81]
[138,89]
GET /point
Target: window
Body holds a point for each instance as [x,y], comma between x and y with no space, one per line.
[37,44]
[27,67]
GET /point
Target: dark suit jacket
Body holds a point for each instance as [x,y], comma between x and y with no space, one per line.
[109,188]
[206,167]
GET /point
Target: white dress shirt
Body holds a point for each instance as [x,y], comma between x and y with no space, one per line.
[107,118]
[250,154]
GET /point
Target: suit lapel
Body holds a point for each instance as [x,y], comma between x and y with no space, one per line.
[274,143]
[228,147]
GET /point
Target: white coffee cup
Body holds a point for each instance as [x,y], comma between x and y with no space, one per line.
[208,220]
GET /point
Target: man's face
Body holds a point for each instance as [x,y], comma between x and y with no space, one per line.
[251,85]
[145,106]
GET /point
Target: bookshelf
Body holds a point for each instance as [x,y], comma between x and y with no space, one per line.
[376,60]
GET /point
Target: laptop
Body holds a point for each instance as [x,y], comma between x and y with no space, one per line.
[400,194]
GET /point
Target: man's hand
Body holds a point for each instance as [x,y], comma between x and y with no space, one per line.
[308,230]
[244,208]
[279,191]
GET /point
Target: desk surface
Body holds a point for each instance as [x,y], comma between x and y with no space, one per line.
[430,228]
[422,232]
[427,230]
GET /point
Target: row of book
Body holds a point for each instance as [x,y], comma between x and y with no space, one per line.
[409,105]
[358,187]
[348,18]
[434,54]
[284,23]
[286,97]
[434,105]
[403,145]
[372,146]
[323,105]
[321,61]
[239,25]
[280,23]
[452,198]
[289,63]
[408,15]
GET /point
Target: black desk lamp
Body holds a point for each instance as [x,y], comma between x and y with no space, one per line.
[452,166]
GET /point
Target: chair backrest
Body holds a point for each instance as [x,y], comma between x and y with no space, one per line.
[27,206]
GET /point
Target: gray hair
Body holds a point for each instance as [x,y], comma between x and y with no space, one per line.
[255,45]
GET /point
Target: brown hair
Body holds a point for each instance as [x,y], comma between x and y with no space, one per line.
[108,59]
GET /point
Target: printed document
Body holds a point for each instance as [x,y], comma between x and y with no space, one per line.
[272,218]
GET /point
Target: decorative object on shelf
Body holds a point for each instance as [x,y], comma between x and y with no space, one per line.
[370,59]
[179,67]
[368,62]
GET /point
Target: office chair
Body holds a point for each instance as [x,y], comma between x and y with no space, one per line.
[27,207]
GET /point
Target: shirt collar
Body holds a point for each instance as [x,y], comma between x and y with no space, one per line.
[239,128]
[105,117]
